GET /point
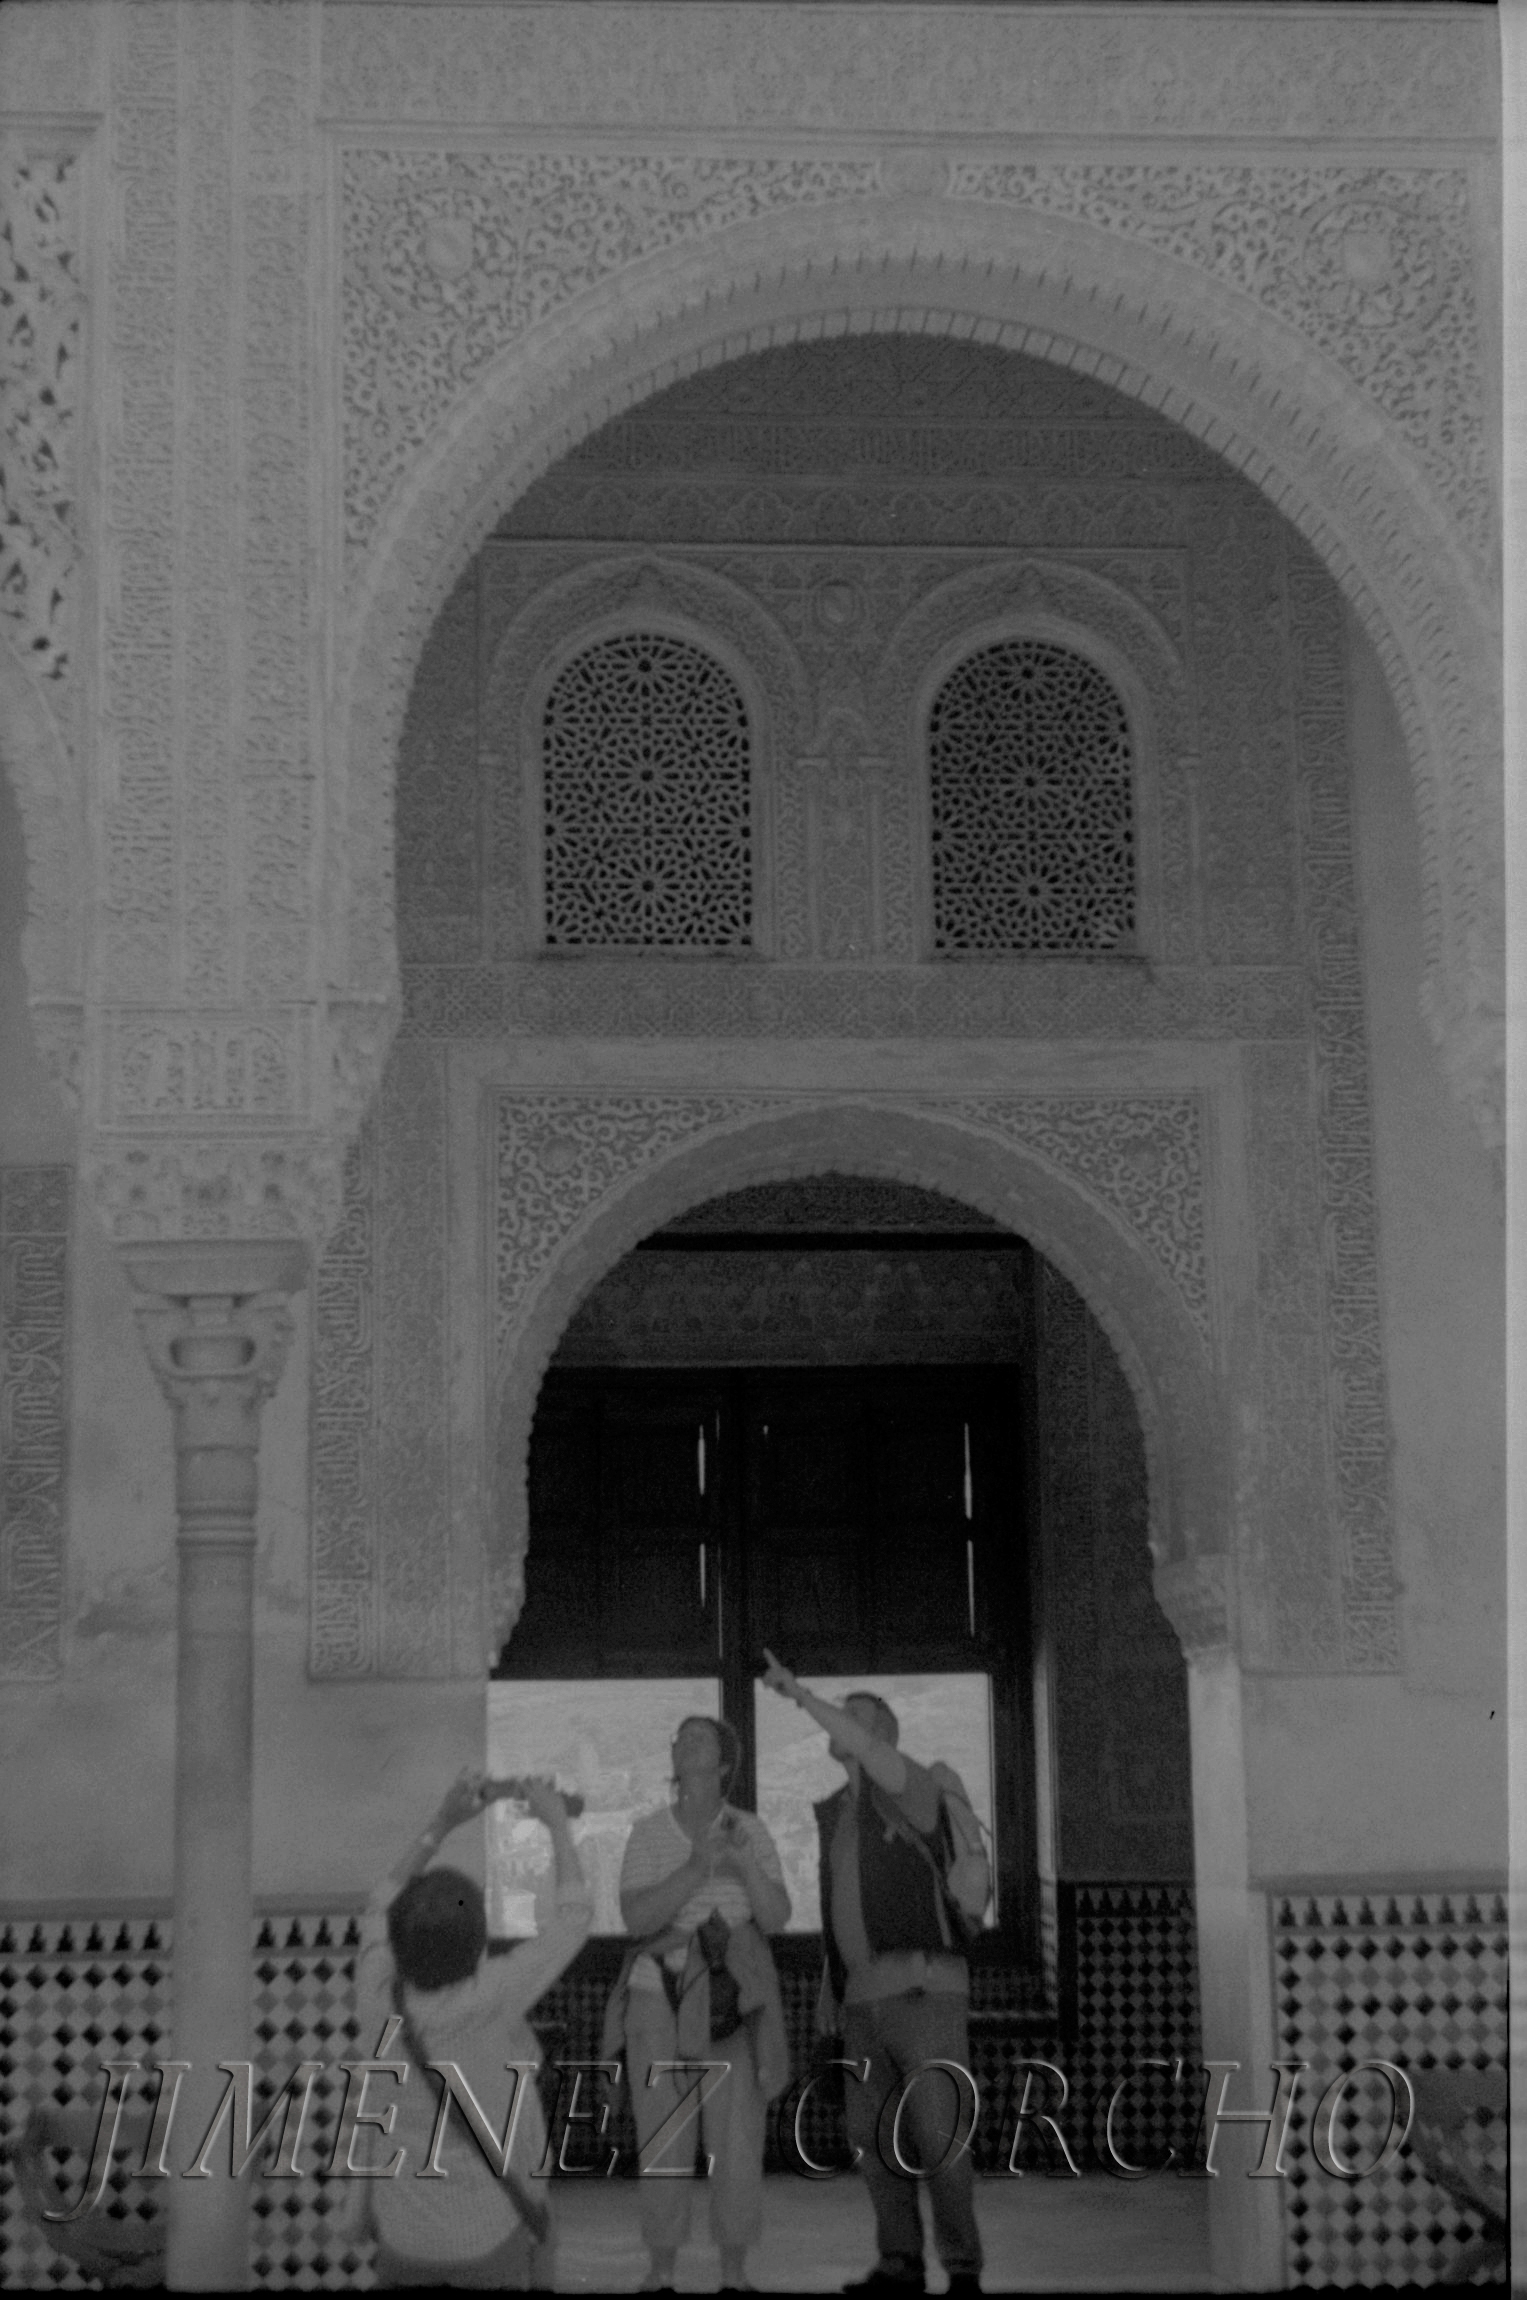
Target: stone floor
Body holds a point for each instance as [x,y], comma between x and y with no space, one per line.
[1041,2235]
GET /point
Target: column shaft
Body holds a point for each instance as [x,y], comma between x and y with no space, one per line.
[214,1757]
[218,1356]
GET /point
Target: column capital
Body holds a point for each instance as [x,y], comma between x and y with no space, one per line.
[183,1268]
[1197,1595]
[216,1324]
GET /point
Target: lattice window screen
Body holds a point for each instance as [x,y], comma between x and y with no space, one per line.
[648,826]
[1032,816]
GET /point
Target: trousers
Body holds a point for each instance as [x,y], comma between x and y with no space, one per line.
[898,2036]
[730,2127]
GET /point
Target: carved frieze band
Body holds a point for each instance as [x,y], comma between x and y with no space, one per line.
[279,787]
[1226,72]
[344,1595]
[34,1416]
[1348,1243]
[139,832]
[1102,999]
[452,255]
[261,1184]
[243,1068]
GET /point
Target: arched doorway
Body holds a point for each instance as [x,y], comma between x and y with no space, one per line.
[1142,1116]
[860,1422]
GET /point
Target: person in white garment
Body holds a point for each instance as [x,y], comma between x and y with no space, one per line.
[424,1957]
[700,1883]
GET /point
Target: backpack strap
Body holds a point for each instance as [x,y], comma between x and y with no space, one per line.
[535,2216]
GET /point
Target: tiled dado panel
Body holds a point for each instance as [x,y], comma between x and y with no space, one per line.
[1417,1979]
[75,1993]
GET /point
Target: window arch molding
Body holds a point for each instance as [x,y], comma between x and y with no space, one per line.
[599,602]
[1069,608]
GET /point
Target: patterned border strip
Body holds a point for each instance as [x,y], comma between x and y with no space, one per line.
[943,999]
[1357,1403]
[34,1386]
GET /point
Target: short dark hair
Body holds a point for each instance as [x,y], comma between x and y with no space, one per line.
[883,1710]
[727,1741]
[437,1929]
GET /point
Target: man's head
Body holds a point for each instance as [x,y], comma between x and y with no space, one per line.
[437,1929]
[876,1716]
[705,1754]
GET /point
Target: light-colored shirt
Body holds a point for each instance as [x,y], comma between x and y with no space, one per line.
[479,2023]
[657,1846]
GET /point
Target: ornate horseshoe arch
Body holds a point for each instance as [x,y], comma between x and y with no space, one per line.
[581,1178]
[1241,378]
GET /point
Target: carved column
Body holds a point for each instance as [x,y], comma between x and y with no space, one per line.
[215,1321]
[1235,1978]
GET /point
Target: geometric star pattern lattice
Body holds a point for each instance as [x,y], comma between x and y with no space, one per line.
[1032,816]
[648,819]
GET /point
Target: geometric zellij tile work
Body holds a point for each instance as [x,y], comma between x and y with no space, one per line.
[1417,1979]
[75,1993]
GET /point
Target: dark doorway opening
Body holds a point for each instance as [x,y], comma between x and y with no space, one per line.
[889,1341]
[861,1522]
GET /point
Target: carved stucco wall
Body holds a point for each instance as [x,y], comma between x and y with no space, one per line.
[156,589]
[812,1307]
[720,253]
[1317,314]
[395,321]
[1225,635]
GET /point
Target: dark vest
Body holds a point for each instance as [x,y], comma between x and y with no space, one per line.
[898,1885]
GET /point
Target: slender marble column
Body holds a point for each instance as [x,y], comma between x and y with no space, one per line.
[216,1325]
[1235,1975]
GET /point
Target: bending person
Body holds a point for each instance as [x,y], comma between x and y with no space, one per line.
[424,1955]
[895,1967]
[699,1886]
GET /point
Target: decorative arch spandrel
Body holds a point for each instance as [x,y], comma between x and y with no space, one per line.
[1238,376]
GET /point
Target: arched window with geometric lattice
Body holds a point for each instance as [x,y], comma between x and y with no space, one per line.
[647,832]
[1031,805]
